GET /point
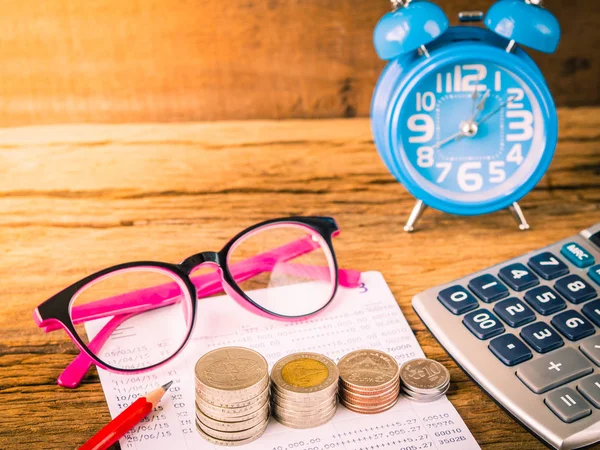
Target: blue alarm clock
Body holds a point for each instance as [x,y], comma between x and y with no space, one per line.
[462,116]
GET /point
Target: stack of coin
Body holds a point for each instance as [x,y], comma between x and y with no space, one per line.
[232,396]
[369,381]
[424,380]
[303,390]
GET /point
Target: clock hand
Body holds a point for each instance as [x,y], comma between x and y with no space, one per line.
[496,111]
[474,97]
[455,136]
[480,107]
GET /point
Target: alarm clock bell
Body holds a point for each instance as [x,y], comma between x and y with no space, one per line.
[403,35]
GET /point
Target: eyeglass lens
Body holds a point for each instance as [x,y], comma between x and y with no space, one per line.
[109,308]
[279,256]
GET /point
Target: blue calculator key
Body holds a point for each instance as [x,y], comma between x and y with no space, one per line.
[488,288]
[548,266]
[592,311]
[509,349]
[594,273]
[457,299]
[577,255]
[518,277]
[575,289]
[483,324]
[544,300]
[514,312]
[541,337]
[573,325]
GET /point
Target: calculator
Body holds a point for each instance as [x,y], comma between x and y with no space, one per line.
[528,332]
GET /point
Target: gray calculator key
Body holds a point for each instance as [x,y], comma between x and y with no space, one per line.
[568,404]
[591,348]
[554,369]
[590,389]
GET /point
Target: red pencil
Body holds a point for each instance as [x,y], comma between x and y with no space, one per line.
[125,421]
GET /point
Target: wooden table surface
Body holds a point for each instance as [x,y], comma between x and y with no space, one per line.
[75,199]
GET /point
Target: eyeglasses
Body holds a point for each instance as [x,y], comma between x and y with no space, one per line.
[253,268]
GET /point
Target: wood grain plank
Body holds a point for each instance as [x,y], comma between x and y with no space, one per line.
[75,199]
[145,61]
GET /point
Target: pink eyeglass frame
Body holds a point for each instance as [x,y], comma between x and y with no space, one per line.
[57,312]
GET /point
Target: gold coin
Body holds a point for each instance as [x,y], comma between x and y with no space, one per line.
[304,372]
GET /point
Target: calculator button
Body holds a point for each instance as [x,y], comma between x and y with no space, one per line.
[577,255]
[575,289]
[592,311]
[541,337]
[488,288]
[589,387]
[509,349]
[573,325]
[518,277]
[514,312]
[483,324]
[591,348]
[548,266]
[595,238]
[457,299]
[557,368]
[568,404]
[594,273]
[544,300]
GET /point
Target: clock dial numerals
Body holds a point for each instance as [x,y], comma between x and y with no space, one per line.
[446,168]
[426,101]
[521,128]
[471,131]
[515,155]
[423,126]
[425,157]
[462,78]
[517,95]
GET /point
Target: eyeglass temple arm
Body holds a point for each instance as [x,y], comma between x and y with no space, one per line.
[159,296]
[72,375]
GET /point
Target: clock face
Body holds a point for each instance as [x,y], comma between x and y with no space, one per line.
[471,132]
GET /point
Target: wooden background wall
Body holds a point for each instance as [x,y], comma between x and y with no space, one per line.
[174,60]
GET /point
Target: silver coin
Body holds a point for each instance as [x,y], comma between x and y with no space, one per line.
[213,411]
[228,443]
[231,426]
[228,397]
[234,435]
[424,375]
[434,391]
[324,409]
[230,369]
[423,398]
[282,403]
[291,415]
[304,397]
[298,423]
[259,399]
[216,415]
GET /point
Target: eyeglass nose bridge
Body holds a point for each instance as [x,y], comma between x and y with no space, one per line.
[189,264]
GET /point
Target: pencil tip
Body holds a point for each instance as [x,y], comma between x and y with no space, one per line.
[167,386]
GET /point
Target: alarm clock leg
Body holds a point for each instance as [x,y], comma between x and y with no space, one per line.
[519,217]
[415,214]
